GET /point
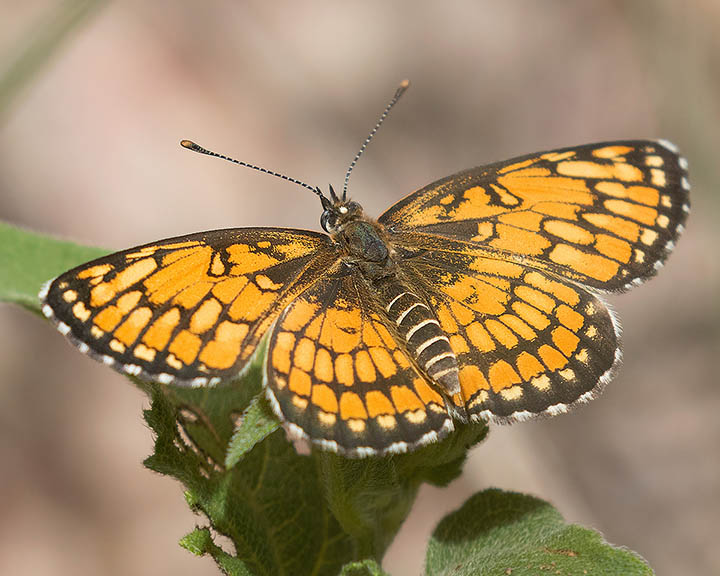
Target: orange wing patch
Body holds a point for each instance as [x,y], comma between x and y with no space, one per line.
[604,215]
[337,376]
[190,310]
[526,342]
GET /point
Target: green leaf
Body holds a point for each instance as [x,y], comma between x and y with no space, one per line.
[497,533]
[257,423]
[364,568]
[200,542]
[28,260]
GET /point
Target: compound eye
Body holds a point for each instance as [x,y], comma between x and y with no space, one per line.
[328,221]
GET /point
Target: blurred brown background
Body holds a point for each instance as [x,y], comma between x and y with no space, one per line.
[89,150]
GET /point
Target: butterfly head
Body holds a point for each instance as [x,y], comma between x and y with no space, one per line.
[338,212]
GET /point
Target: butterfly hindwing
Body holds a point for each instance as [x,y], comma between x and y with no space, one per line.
[188,310]
[527,342]
[604,215]
[336,374]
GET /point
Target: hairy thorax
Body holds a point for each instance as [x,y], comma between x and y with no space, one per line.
[367,249]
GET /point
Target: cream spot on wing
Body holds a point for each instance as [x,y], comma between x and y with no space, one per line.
[542,382]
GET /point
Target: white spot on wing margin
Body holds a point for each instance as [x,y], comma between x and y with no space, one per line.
[669,145]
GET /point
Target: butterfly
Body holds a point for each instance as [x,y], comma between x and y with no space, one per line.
[477,297]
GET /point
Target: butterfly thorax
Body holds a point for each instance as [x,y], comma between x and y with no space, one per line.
[363,240]
[367,248]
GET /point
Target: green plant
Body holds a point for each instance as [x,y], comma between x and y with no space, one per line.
[286,513]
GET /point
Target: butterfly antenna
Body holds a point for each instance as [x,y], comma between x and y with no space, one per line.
[399,92]
[190,145]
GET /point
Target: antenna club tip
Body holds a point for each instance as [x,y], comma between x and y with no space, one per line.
[405,84]
[188,144]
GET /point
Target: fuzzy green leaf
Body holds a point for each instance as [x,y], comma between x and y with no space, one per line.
[256,424]
[28,260]
[200,542]
[497,533]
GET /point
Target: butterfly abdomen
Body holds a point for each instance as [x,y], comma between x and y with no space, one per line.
[425,339]
[414,320]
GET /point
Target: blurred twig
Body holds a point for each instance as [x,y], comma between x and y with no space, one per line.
[41,46]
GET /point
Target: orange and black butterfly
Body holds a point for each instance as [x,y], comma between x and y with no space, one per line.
[477,297]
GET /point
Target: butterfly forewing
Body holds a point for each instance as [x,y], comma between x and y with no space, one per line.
[188,310]
[604,215]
